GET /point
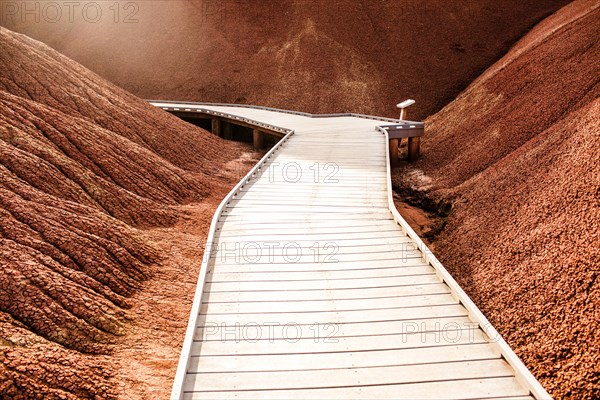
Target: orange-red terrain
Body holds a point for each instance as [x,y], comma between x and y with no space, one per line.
[105,202]
[104,205]
[314,56]
[517,157]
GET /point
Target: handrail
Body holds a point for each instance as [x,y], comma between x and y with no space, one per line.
[184,359]
[232,117]
[304,114]
[522,373]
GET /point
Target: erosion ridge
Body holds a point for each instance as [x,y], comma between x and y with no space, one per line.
[516,154]
[91,180]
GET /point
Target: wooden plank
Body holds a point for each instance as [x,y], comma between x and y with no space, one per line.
[325,305]
[447,327]
[262,224]
[365,359]
[364,244]
[448,390]
[317,234]
[387,375]
[307,179]
[323,285]
[311,208]
[336,317]
[306,196]
[290,277]
[357,202]
[315,244]
[357,163]
[348,153]
[308,217]
[322,266]
[295,195]
[325,252]
[314,172]
[324,193]
[357,241]
[320,294]
[320,188]
[300,339]
[250,275]
[230,227]
[227,226]
[370,164]
[253,231]
[293,246]
[324,258]
[337,212]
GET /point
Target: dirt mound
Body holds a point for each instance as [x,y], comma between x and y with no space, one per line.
[86,170]
[517,157]
[314,56]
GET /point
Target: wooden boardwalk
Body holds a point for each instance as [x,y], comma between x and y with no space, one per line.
[314,287]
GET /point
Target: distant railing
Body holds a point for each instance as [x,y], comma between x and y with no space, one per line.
[154,102]
[400,129]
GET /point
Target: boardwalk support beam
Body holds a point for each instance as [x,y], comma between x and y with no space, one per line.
[414,148]
[216,127]
[228,131]
[258,139]
[394,152]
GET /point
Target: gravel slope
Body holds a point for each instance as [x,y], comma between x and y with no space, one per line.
[517,157]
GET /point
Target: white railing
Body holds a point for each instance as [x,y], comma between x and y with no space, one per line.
[365,116]
[184,359]
[522,374]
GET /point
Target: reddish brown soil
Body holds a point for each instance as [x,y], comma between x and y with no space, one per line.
[104,203]
[315,56]
[425,224]
[517,157]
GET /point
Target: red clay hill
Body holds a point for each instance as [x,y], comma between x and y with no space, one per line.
[97,240]
[106,201]
[314,56]
[517,156]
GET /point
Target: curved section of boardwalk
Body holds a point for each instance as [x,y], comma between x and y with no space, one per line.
[314,288]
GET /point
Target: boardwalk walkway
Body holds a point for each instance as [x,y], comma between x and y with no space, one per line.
[314,287]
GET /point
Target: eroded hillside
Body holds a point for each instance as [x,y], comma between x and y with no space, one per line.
[516,155]
[313,56]
[97,240]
